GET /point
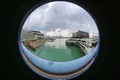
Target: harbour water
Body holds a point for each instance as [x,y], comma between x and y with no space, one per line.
[57,51]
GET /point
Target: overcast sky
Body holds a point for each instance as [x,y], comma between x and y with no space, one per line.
[60,17]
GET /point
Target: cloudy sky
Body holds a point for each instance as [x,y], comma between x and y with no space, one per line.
[60,18]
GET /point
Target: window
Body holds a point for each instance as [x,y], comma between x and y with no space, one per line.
[56,37]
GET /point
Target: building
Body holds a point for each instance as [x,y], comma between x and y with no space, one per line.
[80,34]
[31,35]
[37,34]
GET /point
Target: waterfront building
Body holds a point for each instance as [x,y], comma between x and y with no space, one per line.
[37,34]
[31,35]
[80,34]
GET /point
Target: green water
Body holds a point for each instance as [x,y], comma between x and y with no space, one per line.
[57,51]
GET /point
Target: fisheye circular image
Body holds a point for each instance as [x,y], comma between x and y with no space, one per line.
[59,40]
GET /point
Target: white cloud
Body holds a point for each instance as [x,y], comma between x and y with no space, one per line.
[66,33]
[57,32]
[58,29]
[60,18]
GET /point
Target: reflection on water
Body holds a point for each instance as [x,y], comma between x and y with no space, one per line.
[58,44]
[57,51]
